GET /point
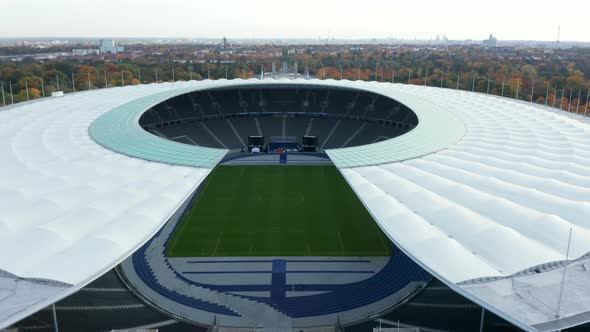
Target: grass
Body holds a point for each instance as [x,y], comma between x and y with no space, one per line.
[277,211]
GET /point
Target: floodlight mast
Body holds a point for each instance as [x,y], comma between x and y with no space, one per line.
[578,103]
[11,95]
[567,254]
[562,94]
[3,98]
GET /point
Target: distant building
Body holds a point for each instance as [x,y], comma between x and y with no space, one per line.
[490,42]
[109,47]
[84,51]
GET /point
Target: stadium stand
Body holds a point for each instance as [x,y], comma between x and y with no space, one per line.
[224,118]
[105,304]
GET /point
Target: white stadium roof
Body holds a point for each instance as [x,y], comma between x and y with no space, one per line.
[482,193]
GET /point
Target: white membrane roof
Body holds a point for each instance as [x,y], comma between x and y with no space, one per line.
[501,200]
[482,193]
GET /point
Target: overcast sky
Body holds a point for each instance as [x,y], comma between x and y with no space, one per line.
[422,19]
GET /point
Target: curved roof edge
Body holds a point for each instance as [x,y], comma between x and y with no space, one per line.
[437,129]
[119,130]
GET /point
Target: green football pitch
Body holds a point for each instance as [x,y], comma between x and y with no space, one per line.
[277,211]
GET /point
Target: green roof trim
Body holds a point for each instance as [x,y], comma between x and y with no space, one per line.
[437,129]
[119,130]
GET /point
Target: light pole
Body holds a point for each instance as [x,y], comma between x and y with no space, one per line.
[586,105]
[11,95]
[578,103]
[3,97]
[562,94]
[27,89]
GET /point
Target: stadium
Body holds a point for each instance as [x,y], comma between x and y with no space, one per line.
[293,205]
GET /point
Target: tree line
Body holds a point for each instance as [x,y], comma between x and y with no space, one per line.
[557,78]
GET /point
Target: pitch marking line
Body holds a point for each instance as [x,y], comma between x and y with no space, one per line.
[340,240]
[217,243]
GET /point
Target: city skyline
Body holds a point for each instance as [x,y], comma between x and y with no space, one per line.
[457,19]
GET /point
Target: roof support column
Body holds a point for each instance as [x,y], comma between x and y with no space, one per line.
[481,321]
[56,328]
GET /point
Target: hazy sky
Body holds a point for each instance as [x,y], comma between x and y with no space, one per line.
[422,19]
